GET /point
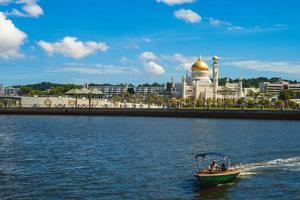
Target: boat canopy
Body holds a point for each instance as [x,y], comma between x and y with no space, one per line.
[203,155]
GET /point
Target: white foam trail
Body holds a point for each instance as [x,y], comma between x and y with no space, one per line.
[289,164]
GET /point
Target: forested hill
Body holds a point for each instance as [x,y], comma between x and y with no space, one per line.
[43,86]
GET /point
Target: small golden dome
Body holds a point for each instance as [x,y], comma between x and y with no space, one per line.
[200,65]
[216,58]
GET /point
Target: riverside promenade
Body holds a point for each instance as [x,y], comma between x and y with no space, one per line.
[184,113]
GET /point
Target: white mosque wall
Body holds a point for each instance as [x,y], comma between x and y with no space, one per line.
[67,102]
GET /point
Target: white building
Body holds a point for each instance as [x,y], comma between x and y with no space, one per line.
[199,84]
[109,90]
[11,91]
[276,88]
[142,90]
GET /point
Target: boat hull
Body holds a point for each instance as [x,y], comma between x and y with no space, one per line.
[216,178]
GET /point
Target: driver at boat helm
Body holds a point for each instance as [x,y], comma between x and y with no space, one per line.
[214,166]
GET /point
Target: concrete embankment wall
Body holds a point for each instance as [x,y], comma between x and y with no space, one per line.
[184,113]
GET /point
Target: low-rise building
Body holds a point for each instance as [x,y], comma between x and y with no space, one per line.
[149,90]
[11,91]
[276,88]
[10,101]
[109,90]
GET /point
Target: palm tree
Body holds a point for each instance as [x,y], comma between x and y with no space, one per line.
[286,96]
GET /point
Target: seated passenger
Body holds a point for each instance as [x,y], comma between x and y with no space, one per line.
[223,167]
[214,166]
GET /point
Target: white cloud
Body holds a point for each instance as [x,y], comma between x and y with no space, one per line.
[124,60]
[146,40]
[151,67]
[235,28]
[183,62]
[11,39]
[154,69]
[217,22]
[72,47]
[147,55]
[188,16]
[5,2]
[267,66]
[175,2]
[30,8]
[228,25]
[97,69]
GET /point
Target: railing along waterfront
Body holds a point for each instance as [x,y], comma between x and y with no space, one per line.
[145,112]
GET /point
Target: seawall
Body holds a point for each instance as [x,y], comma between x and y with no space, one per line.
[184,113]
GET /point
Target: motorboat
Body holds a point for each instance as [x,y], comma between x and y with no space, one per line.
[213,175]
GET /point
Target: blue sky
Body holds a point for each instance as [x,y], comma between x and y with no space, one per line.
[137,41]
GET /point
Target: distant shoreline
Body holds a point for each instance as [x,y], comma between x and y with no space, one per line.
[179,113]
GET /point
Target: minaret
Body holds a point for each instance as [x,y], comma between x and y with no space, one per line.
[196,89]
[216,75]
[173,81]
[183,95]
[240,91]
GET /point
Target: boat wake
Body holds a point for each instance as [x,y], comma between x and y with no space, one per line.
[289,164]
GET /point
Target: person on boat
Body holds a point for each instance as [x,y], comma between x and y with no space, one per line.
[214,166]
[223,167]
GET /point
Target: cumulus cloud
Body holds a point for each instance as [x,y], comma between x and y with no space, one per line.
[72,47]
[188,16]
[30,8]
[151,67]
[267,66]
[154,69]
[175,2]
[11,39]
[147,55]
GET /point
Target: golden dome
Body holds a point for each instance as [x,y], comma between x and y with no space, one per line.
[200,65]
[216,58]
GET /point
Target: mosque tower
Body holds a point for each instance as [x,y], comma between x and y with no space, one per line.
[184,84]
[215,75]
[240,88]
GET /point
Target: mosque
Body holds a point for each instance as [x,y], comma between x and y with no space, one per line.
[199,84]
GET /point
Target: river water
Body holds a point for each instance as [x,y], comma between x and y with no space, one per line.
[65,157]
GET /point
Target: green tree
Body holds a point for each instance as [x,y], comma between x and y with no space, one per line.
[264,102]
[116,98]
[220,102]
[293,105]
[250,103]
[25,90]
[189,102]
[240,102]
[286,96]
[200,102]
[209,101]
[35,92]
[279,103]
[229,102]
